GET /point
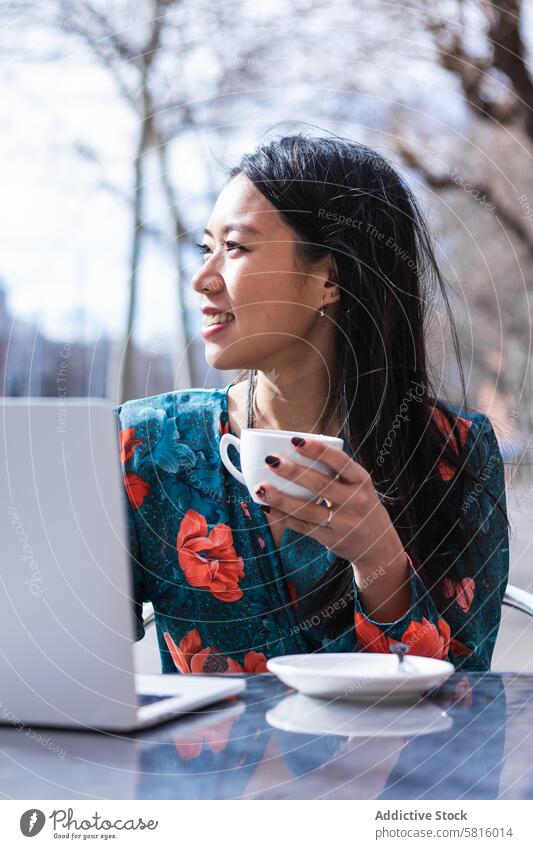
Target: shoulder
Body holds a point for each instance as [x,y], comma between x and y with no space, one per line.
[457,421]
[187,416]
[142,412]
[470,434]
[482,486]
[155,410]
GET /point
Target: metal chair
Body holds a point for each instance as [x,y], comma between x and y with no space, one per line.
[519,599]
[149,619]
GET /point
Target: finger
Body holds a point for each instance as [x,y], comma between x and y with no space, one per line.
[322,534]
[315,481]
[348,470]
[296,508]
[275,516]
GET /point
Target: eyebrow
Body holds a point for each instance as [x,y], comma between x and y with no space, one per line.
[234,225]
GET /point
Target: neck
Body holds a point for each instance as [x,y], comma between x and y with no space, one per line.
[302,401]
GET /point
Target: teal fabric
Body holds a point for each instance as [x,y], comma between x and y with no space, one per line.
[225,599]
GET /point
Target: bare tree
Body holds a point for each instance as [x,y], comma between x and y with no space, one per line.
[181,73]
[128,40]
[497,91]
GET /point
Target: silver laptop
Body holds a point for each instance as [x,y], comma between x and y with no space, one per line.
[66,611]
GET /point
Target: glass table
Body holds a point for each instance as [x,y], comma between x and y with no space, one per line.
[470,739]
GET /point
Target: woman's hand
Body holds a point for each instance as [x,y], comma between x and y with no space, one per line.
[360,529]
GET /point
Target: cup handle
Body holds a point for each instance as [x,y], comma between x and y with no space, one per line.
[227,440]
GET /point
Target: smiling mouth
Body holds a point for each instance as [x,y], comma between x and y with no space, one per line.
[219,318]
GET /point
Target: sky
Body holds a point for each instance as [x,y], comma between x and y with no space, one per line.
[64,243]
[64,239]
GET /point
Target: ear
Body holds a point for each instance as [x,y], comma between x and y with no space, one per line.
[333,270]
[332,288]
[333,296]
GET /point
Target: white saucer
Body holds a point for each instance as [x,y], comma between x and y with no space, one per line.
[360,676]
[306,715]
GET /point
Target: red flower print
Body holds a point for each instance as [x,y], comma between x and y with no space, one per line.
[261,540]
[190,657]
[223,428]
[461,696]
[462,590]
[369,636]
[215,736]
[464,593]
[211,660]
[255,661]
[463,693]
[458,648]
[423,638]
[190,746]
[446,471]
[245,509]
[189,645]
[293,594]
[209,562]
[136,489]
[447,587]
[128,443]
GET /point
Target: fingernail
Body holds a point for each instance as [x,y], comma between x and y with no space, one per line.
[265,508]
[297,440]
[272,461]
[260,491]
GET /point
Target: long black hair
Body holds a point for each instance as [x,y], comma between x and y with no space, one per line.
[343,198]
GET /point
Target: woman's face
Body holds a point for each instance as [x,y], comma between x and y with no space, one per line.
[250,269]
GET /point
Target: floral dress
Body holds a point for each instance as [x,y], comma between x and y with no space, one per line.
[226,599]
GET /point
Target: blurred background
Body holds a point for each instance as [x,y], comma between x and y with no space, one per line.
[119,120]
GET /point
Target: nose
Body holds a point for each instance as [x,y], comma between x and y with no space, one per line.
[207,279]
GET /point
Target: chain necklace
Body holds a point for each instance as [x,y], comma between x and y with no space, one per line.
[250,400]
[252,380]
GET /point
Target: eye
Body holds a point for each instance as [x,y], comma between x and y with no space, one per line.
[232,246]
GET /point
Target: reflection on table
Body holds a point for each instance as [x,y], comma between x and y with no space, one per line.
[467,740]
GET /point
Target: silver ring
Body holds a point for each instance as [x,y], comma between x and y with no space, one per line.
[327,523]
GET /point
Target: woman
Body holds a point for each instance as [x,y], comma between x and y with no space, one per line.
[317,283]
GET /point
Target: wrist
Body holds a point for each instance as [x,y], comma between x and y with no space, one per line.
[399,563]
[385,593]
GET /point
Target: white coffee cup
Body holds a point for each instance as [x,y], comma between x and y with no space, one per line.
[255,444]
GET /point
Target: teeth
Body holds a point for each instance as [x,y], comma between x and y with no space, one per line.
[219,318]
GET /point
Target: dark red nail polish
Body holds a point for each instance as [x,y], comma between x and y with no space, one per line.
[260,491]
[272,461]
[297,440]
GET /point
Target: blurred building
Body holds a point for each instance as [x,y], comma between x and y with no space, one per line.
[32,364]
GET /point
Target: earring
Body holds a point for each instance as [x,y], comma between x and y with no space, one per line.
[323,307]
